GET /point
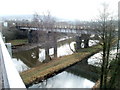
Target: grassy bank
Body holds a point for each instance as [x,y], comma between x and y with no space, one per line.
[18,42]
[54,66]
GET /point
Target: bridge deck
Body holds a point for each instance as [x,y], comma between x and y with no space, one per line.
[61,30]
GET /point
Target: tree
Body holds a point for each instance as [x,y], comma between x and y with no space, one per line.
[45,33]
[115,66]
[105,30]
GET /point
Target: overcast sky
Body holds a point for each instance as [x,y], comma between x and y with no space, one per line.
[67,9]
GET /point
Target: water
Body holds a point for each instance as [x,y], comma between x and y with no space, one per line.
[73,77]
[64,49]
[96,59]
[65,80]
[28,59]
[20,66]
[61,51]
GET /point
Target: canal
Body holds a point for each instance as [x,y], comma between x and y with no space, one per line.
[78,76]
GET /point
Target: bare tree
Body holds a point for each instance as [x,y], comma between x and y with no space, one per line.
[115,66]
[45,34]
[105,30]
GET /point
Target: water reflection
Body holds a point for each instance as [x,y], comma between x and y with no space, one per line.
[34,57]
[20,66]
[65,80]
[96,59]
[83,69]
[80,75]
[71,78]
[63,49]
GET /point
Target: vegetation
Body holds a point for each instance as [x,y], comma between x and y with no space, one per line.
[105,29]
[109,70]
[48,69]
[114,81]
[11,33]
[18,41]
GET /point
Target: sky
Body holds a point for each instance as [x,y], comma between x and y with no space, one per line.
[66,9]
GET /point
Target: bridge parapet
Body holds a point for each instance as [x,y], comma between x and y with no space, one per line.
[55,26]
[11,77]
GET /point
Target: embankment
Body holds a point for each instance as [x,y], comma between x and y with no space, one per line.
[56,65]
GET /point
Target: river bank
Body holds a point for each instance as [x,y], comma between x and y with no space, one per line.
[51,68]
[57,65]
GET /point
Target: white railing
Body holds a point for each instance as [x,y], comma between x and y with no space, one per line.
[11,77]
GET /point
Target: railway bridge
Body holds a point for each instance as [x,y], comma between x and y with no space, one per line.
[48,35]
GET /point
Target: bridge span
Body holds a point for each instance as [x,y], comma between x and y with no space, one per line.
[48,35]
[60,29]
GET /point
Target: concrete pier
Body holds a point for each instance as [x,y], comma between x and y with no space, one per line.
[78,43]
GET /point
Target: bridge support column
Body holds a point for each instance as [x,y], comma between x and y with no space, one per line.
[86,40]
[78,43]
[47,56]
[55,44]
[86,43]
[29,36]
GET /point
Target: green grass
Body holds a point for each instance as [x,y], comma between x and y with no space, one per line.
[18,41]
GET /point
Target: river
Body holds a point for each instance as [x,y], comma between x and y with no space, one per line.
[66,79]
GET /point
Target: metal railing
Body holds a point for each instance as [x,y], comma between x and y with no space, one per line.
[10,75]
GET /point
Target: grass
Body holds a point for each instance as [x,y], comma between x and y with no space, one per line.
[18,41]
[45,70]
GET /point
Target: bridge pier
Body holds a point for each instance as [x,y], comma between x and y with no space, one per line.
[78,43]
[47,57]
[85,37]
[29,36]
[86,43]
[48,38]
[79,39]
[55,44]
[51,41]
[33,36]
